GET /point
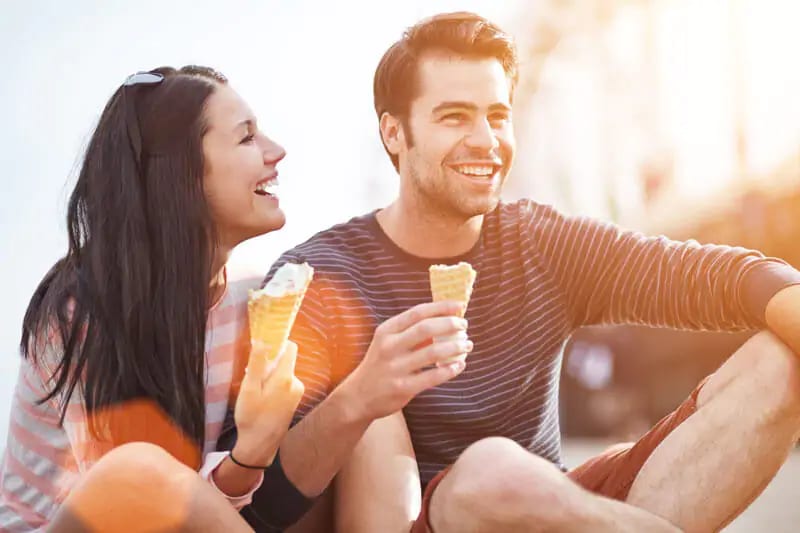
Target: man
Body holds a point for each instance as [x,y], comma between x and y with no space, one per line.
[486,436]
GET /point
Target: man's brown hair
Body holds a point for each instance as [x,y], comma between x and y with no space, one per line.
[462,34]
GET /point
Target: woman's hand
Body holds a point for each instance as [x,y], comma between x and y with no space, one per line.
[268,397]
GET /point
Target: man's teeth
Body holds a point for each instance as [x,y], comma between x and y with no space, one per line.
[268,187]
[476,170]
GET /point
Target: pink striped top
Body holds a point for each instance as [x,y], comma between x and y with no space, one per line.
[42,461]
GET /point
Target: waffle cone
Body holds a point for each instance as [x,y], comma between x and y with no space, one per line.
[452,283]
[272,317]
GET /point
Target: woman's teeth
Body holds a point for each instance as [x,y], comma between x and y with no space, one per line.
[267,188]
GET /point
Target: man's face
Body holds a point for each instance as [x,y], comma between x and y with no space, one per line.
[462,139]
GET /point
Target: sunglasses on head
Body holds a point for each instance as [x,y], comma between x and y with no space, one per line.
[149,79]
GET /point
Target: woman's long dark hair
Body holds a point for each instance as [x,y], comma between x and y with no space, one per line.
[128,303]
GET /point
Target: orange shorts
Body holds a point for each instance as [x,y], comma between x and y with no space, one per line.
[609,474]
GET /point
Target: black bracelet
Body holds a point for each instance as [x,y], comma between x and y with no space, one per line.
[251,467]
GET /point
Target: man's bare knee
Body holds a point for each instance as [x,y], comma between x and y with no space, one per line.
[768,374]
[778,377]
[499,483]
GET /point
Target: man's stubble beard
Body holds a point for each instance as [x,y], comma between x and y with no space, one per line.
[440,196]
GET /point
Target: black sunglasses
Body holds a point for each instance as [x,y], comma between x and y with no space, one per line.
[131,117]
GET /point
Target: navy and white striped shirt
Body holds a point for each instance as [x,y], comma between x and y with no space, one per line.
[540,275]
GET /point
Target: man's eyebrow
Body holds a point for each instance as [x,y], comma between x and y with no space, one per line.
[459,105]
[500,107]
[444,106]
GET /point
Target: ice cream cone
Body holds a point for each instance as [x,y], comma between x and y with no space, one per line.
[452,283]
[273,309]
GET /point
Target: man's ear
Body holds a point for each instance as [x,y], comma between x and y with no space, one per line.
[392,133]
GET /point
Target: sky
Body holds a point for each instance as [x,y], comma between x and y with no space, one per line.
[305,67]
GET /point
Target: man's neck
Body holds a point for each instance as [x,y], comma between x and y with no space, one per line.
[426,234]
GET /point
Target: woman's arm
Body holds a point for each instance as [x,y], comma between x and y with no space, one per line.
[264,408]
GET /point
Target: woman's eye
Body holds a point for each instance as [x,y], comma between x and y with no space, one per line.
[248,139]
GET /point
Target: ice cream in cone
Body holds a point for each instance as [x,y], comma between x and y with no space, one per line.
[272,310]
[453,283]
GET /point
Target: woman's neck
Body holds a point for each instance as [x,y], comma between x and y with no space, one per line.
[218,282]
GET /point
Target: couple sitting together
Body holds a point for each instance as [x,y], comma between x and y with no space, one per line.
[143,405]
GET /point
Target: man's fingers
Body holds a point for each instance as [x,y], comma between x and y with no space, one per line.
[437,352]
[425,330]
[408,318]
[435,376]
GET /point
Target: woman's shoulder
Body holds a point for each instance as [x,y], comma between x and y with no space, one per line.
[240,280]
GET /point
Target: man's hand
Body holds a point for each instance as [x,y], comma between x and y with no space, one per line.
[402,361]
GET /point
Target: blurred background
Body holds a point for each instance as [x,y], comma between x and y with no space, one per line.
[679,117]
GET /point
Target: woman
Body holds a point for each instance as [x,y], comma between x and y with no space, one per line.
[134,343]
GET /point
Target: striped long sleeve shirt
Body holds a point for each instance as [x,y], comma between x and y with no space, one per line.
[540,275]
[44,459]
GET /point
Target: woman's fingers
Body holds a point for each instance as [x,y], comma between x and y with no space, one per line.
[256,366]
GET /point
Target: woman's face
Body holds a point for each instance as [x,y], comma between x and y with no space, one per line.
[241,174]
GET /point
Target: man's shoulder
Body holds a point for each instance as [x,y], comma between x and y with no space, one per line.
[525,210]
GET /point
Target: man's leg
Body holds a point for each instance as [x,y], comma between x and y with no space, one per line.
[497,486]
[378,488]
[318,519]
[699,472]
[139,487]
[712,466]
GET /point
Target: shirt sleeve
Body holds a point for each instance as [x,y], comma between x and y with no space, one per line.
[613,276]
[126,423]
[86,448]
[211,463]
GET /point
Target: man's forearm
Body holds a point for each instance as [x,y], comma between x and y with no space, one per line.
[314,450]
